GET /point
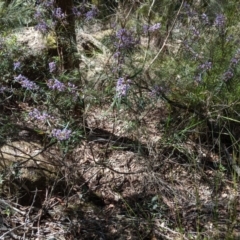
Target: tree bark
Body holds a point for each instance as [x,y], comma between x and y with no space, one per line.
[66,36]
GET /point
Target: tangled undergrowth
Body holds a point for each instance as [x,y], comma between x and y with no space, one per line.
[121,121]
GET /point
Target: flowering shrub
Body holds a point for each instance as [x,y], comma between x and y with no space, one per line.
[125,39]
[153,28]
[188,83]
[52,67]
[61,134]
[56,85]
[36,114]
[207,61]
[26,83]
[206,64]
[122,87]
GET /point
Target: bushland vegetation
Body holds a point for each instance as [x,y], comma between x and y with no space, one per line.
[124,124]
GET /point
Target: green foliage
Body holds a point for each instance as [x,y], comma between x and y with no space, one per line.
[15,14]
[207,92]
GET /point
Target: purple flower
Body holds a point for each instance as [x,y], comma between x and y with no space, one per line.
[235,59]
[76,12]
[56,85]
[16,65]
[206,66]
[91,14]
[42,27]
[6,89]
[195,31]
[52,67]
[189,11]
[228,75]
[61,134]
[126,39]
[117,54]
[119,57]
[156,91]
[191,50]
[26,83]
[204,18]
[72,88]
[57,13]
[49,4]
[38,15]
[220,21]
[36,114]
[145,28]
[154,27]
[117,68]
[3,89]
[122,87]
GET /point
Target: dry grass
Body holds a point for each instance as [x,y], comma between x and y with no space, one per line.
[106,191]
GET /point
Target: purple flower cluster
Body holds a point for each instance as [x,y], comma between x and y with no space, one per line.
[72,88]
[52,67]
[206,66]
[235,60]
[122,87]
[36,114]
[189,11]
[156,91]
[48,7]
[61,134]
[42,27]
[16,65]
[2,89]
[191,50]
[228,75]
[119,57]
[38,14]
[117,54]
[91,14]
[82,11]
[26,83]
[56,85]
[49,3]
[205,19]
[203,67]
[76,12]
[220,21]
[195,32]
[57,13]
[125,39]
[6,89]
[153,28]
